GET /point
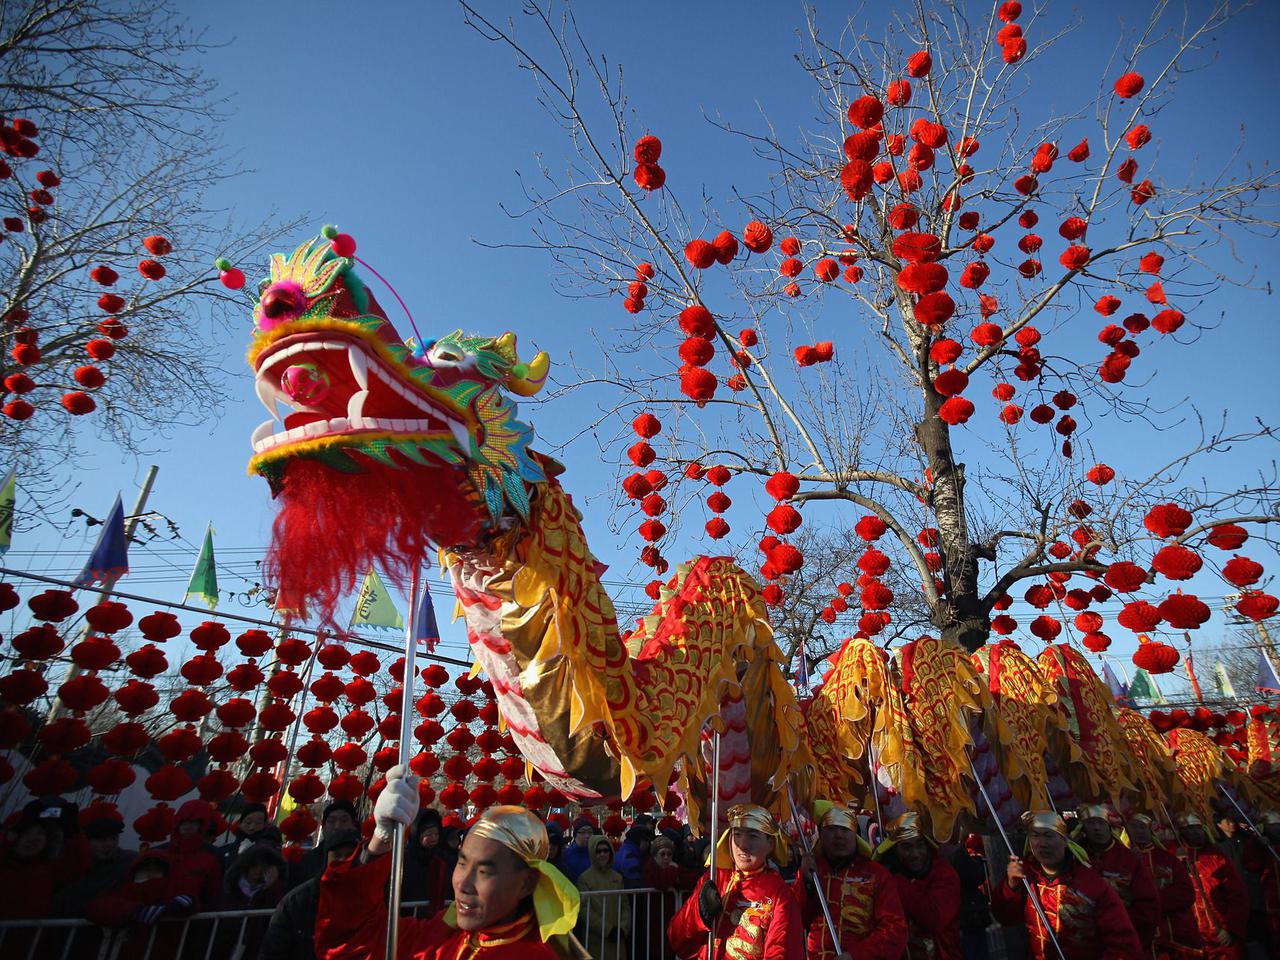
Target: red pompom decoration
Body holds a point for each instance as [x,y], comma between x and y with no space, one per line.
[1129,85]
[1167,520]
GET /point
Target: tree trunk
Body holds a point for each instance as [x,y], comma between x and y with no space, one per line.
[961,615]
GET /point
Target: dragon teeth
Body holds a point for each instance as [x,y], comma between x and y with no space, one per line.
[460,434]
[263,431]
[268,397]
[359,367]
[355,408]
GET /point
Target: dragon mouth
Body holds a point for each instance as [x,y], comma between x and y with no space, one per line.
[341,390]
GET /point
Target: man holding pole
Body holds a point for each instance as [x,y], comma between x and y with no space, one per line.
[509,903]
[1177,937]
[928,887]
[749,911]
[1125,870]
[1084,916]
[860,893]
[1222,905]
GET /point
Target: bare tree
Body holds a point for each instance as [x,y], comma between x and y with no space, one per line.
[106,144]
[907,216]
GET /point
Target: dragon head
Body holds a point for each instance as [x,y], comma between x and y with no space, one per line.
[419,443]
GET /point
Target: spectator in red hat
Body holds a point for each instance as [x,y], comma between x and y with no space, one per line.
[195,869]
[147,896]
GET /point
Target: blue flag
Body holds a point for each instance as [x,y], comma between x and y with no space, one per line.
[1267,680]
[110,558]
[1119,693]
[425,629]
[802,669]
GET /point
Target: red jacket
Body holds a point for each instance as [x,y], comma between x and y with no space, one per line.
[351,924]
[116,909]
[1085,914]
[195,868]
[932,907]
[1177,930]
[1131,879]
[864,904]
[760,920]
[1221,901]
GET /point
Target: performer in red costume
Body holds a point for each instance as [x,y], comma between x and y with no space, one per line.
[1085,915]
[861,894]
[1177,936]
[1125,870]
[928,887]
[1222,905]
[509,903]
[1262,858]
[750,907]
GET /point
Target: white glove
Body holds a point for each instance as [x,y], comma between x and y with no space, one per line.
[397,804]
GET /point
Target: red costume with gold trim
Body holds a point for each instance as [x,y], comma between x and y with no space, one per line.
[1131,879]
[760,920]
[1087,917]
[1177,936]
[864,902]
[351,924]
[1221,901]
[932,907]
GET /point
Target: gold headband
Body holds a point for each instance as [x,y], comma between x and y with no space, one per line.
[907,826]
[1099,811]
[1143,819]
[752,817]
[555,900]
[1044,820]
[749,816]
[830,814]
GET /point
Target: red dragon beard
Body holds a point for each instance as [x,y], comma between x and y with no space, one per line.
[333,526]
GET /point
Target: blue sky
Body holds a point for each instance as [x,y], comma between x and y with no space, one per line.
[401,125]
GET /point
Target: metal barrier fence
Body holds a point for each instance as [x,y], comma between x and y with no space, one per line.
[234,934]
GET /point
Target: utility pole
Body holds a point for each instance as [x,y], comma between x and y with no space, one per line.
[130,525]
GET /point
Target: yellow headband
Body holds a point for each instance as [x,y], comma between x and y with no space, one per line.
[1044,820]
[828,814]
[555,900]
[1099,811]
[749,816]
[1048,820]
[908,826]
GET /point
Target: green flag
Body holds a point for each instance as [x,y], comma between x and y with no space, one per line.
[1221,680]
[373,605]
[8,497]
[1144,688]
[204,578]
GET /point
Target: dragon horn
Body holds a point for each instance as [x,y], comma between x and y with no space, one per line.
[525,379]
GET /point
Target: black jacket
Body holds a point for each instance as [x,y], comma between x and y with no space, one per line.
[291,933]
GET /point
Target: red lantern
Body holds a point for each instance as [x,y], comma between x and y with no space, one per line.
[168,783]
[22,686]
[333,656]
[210,635]
[276,716]
[253,643]
[292,651]
[159,626]
[314,753]
[306,789]
[126,739]
[108,616]
[260,787]
[228,746]
[1156,657]
[179,745]
[156,824]
[110,777]
[53,605]
[190,705]
[95,653]
[244,677]
[349,756]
